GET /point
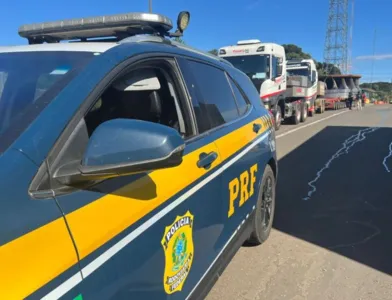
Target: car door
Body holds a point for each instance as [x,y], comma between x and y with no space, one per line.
[150,235]
[240,133]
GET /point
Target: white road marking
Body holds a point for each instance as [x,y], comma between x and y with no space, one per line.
[376,232]
[347,145]
[310,124]
[74,280]
[387,157]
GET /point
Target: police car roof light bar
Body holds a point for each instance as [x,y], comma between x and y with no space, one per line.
[119,26]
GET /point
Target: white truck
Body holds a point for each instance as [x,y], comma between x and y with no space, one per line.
[302,82]
[265,65]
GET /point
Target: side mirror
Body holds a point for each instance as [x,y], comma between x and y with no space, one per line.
[122,147]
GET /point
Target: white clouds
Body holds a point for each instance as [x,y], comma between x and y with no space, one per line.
[375,57]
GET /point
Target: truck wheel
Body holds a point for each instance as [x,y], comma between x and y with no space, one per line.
[311,113]
[278,118]
[265,209]
[304,112]
[297,116]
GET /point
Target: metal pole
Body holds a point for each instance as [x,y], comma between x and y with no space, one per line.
[150,6]
[374,53]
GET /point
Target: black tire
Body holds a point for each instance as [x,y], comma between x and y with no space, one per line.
[304,112]
[278,117]
[311,113]
[265,209]
[297,116]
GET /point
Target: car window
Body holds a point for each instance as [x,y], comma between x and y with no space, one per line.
[241,102]
[25,81]
[248,88]
[215,94]
[146,93]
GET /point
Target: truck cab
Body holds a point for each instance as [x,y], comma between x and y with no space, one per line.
[265,65]
[302,78]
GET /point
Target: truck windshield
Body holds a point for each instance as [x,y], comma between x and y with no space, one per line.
[28,82]
[298,72]
[255,66]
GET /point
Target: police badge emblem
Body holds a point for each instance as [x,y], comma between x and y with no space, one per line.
[177,244]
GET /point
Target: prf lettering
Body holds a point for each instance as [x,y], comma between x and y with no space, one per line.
[242,188]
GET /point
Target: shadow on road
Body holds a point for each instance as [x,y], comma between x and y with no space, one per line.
[350,211]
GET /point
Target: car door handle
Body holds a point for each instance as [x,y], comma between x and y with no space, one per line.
[256,127]
[206,159]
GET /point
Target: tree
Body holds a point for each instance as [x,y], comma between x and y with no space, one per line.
[295,52]
[214,52]
[322,67]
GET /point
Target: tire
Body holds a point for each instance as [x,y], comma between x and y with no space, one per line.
[265,209]
[304,112]
[311,113]
[278,114]
[297,117]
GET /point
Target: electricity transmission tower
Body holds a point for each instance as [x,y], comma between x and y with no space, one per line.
[336,41]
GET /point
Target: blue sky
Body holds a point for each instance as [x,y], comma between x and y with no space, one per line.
[217,23]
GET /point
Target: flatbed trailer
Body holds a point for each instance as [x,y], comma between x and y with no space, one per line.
[335,103]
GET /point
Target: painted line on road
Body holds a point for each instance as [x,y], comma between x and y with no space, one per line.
[310,124]
[386,158]
[346,146]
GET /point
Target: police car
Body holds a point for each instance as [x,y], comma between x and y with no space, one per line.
[131,166]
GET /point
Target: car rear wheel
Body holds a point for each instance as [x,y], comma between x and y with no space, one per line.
[265,209]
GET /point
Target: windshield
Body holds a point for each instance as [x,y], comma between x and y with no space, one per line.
[28,82]
[255,66]
[299,72]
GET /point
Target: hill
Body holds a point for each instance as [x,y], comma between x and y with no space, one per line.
[383,89]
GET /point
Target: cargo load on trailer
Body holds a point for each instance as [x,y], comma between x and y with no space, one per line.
[339,88]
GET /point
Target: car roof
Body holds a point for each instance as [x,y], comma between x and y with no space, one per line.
[79,47]
[100,47]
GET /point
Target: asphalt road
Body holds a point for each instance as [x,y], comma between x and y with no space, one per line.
[332,236]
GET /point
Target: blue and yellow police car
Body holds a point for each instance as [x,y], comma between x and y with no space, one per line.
[132,166]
